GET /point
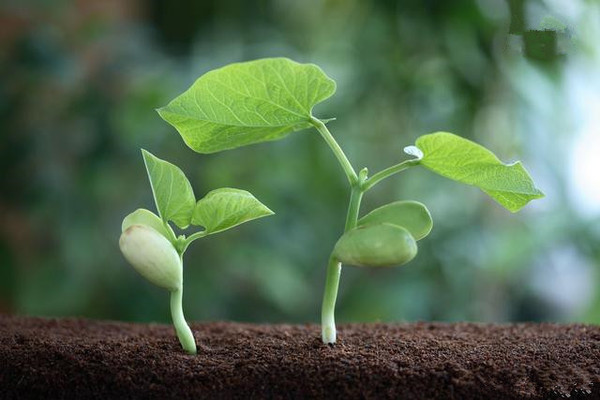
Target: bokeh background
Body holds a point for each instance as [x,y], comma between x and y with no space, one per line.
[80,82]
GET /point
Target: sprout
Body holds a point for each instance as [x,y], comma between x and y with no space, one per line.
[150,245]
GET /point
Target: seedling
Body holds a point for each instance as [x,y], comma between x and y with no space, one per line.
[149,243]
[264,100]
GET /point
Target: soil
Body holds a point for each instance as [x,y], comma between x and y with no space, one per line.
[84,359]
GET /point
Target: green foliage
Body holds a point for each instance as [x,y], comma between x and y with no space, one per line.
[78,148]
[173,193]
[378,245]
[411,215]
[149,243]
[266,99]
[465,161]
[225,208]
[246,103]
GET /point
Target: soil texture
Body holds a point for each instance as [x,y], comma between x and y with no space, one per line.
[85,359]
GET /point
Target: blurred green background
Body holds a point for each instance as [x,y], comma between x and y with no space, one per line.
[80,82]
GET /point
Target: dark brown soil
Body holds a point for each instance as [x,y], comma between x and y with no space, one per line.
[81,359]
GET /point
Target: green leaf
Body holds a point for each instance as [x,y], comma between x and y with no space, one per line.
[141,216]
[411,215]
[465,161]
[246,103]
[225,208]
[379,245]
[172,191]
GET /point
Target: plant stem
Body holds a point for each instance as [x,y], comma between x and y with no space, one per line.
[337,150]
[359,185]
[334,269]
[353,208]
[187,241]
[332,282]
[381,175]
[184,333]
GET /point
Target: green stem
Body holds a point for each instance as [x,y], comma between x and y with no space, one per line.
[353,208]
[187,241]
[381,175]
[184,333]
[359,185]
[337,150]
[332,282]
[334,269]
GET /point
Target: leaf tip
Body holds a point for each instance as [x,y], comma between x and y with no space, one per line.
[266,211]
[165,113]
[147,157]
[161,111]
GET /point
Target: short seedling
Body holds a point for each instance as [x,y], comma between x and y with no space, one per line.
[149,243]
[264,100]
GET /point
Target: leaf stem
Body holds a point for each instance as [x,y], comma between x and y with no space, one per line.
[187,241]
[337,150]
[381,175]
[184,333]
[334,269]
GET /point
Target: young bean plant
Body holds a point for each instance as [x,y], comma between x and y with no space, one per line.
[264,100]
[151,246]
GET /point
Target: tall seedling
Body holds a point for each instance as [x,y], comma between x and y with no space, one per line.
[267,99]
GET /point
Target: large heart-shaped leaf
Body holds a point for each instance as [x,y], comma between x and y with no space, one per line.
[225,208]
[249,102]
[411,215]
[173,193]
[468,162]
[379,245]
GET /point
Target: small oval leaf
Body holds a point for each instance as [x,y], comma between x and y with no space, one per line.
[141,216]
[412,215]
[380,245]
[465,161]
[172,191]
[225,208]
[153,256]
